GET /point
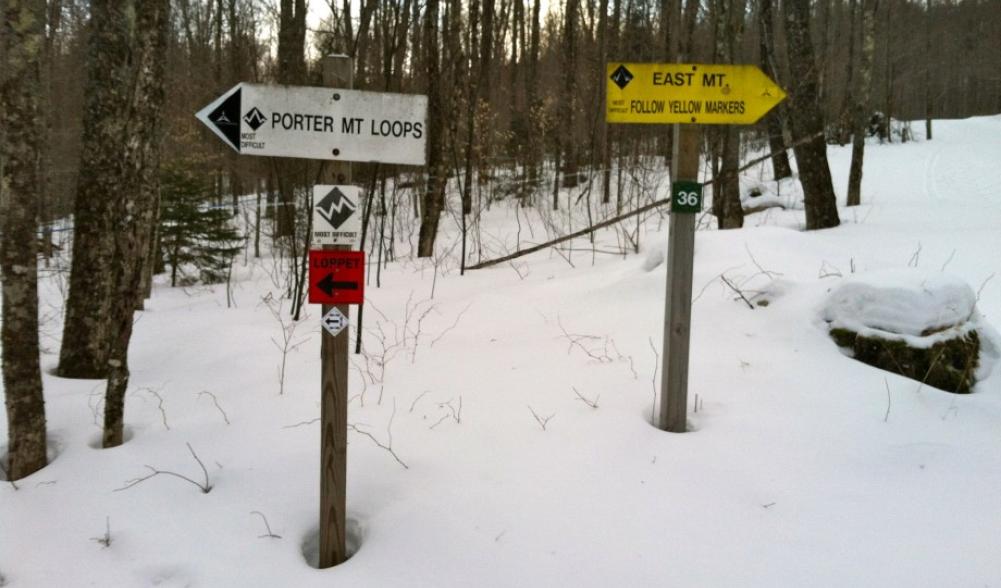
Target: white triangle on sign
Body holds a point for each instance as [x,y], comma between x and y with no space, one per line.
[334,321]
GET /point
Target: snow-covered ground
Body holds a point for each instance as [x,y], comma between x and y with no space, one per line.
[802,467]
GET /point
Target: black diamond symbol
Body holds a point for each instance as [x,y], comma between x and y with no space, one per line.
[255,118]
[335,208]
[622,76]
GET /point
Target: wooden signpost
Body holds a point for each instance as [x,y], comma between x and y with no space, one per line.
[337,126]
[687,95]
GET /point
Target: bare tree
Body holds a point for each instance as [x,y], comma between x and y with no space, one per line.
[434,195]
[21,36]
[863,83]
[726,189]
[568,102]
[140,184]
[776,142]
[808,120]
[84,351]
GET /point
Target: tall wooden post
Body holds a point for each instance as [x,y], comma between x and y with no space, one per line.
[337,73]
[678,310]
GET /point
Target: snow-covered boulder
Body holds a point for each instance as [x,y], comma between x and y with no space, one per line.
[917,324]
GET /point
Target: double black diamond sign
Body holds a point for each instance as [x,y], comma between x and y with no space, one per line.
[255,118]
[335,208]
[622,76]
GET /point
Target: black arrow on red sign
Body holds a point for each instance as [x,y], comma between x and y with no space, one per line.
[328,285]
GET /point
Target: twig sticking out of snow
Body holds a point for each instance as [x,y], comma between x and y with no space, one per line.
[737,290]
[389,432]
[105,539]
[6,476]
[982,285]
[302,423]
[653,381]
[414,403]
[592,403]
[159,399]
[205,487]
[215,401]
[543,421]
[269,534]
[886,417]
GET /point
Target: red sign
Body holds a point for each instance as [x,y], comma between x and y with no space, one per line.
[336,277]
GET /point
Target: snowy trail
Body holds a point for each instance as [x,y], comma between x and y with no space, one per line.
[804,467]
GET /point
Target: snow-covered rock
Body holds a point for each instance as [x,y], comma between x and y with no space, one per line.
[918,324]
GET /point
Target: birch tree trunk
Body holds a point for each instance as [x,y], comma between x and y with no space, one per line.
[22,35]
[139,188]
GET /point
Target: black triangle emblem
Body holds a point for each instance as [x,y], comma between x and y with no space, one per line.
[226,118]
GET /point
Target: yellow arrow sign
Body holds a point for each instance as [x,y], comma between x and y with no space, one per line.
[688,93]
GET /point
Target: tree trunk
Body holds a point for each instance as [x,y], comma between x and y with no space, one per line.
[84,352]
[472,101]
[927,60]
[534,100]
[603,147]
[730,213]
[434,195]
[807,121]
[776,141]
[863,83]
[140,185]
[567,139]
[291,70]
[21,38]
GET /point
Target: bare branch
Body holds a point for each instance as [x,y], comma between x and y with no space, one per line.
[653,381]
[7,476]
[543,421]
[105,539]
[269,534]
[454,324]
[389,432]
[737,291]
[156,394]
[215,401]
[302,423]
[205,487]
[886,417]
[414,403]
[592,403]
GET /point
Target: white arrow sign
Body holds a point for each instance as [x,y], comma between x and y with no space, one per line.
[334,321]
[320,123]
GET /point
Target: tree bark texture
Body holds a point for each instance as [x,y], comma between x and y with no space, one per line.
[84,353]
[140,186]
[568,103]
[434,195]
[726,190]
[776,142]
[291,70]
[863,83]
[22,32]
[807,120]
